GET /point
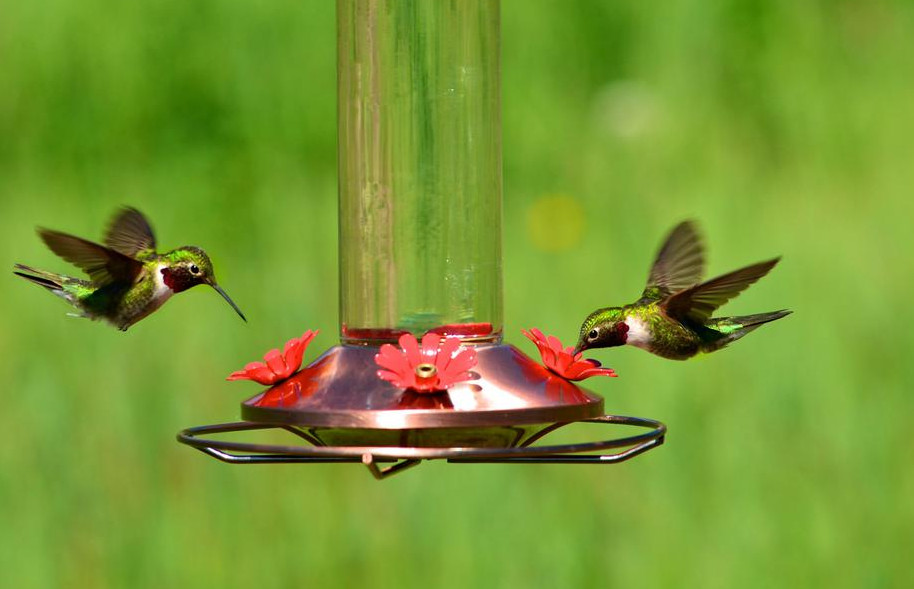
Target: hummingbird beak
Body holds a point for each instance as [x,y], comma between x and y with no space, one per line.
[577,350]
[228,300]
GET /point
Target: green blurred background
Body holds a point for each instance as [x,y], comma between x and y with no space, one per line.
[784,127]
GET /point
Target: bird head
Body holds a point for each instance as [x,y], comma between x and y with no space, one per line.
[189,266]
[604,328]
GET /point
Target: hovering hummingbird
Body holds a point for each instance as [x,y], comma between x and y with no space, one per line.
[128,279]
[672,318]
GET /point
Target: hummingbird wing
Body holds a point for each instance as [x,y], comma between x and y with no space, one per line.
[130,233]
[104,266]
[680,263]
[697,303]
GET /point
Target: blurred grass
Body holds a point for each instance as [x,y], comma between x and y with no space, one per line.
[783,127]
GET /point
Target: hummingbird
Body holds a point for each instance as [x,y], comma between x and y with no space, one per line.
[672,319]
[128,279]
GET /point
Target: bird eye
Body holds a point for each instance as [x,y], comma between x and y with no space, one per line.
[593,334]
[194,269]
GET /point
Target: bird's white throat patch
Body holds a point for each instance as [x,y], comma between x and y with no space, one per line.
[162,292]
[638,333]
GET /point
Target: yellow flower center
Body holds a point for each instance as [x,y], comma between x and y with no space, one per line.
[426,370]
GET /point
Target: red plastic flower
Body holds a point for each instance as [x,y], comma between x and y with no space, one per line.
[563,361]
[278,366]
[438,364]
[297,387]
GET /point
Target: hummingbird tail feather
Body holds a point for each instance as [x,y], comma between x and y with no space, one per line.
[61,286]
[40,277]
[733,328]
[760,318]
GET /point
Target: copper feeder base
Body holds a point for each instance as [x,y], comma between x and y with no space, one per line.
[347,414]
[340,401]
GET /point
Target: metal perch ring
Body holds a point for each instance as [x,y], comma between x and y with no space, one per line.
[405,457]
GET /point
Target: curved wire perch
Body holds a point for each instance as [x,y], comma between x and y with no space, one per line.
[404,457]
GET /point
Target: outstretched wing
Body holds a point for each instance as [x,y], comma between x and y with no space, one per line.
[104,266]
[699,302]
[130,233]
[679,264]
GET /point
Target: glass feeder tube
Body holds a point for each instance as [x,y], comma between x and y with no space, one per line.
[420,184]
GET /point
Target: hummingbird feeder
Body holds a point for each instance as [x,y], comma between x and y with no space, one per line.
[420,198]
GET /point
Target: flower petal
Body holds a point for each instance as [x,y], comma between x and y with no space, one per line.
[549,358]
[295,350]
[290,345]
[309,335]
[276,363]
[564,362]
[449,346]
[393,359]
[446,352]
[457,369]
[554,343]
[587,368]
[411,347]
[257,372]
[551,351]
[239,375]
[464,360]
[395,378]
[430,342]
[292,354]
[536,336]
[594,371]
[562,358]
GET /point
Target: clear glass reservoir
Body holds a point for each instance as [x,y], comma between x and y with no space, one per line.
[420,168]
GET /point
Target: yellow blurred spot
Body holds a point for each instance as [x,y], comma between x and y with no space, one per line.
[555,223]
